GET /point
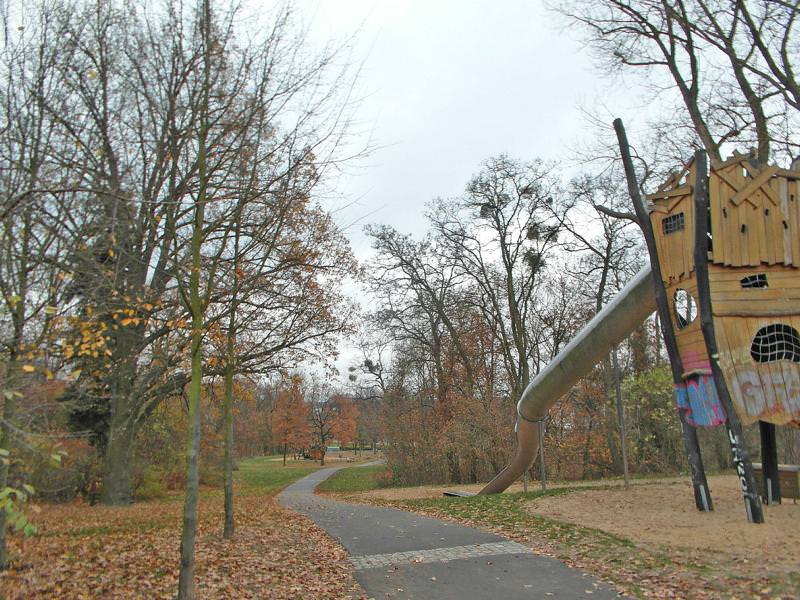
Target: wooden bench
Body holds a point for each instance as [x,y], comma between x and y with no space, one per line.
[789,477]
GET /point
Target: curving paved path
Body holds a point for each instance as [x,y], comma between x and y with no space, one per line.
[402,555]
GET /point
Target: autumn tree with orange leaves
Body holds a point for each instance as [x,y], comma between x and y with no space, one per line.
[290,418]
[331,416]
[346,422]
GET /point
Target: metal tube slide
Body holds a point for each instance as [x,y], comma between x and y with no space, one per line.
[609,327]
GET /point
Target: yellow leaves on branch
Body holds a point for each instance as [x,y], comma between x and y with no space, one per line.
[88,335]
[32,369]
[178,323]
[89,340]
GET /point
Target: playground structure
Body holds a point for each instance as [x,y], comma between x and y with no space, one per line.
[724,277]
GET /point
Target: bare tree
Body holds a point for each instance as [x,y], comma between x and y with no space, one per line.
[602,243]
[607,260]
[729,62]
[32,190]
[125,108]
[322,416]
[195,302]
[499,236]
[419,292]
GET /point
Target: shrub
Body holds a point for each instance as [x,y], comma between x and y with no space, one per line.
[151,486]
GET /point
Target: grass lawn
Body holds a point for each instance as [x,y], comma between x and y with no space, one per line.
[354,479]
[133,552]
[267,475]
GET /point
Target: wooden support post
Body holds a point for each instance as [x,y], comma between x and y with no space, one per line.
[702,495]
[623,441]
[741,458]
[769,463]
[542,471]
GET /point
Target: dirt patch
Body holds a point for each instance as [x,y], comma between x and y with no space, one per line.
[663,513]
[339,457]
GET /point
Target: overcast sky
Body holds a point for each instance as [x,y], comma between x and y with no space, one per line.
[448,84]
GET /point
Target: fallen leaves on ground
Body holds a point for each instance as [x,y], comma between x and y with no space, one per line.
[132,552]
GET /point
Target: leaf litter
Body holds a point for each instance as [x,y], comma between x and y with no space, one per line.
[132,552]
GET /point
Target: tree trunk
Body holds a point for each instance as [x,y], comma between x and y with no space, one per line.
[542,466]
[5,443]
[117,487]
[620,417]
[186,590]
[473,467]
[186,579]
[228,425]
[118,458]
[452,465]
[587,447]
[230,367]
[609,425]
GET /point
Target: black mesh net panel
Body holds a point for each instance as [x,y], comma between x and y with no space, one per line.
[774,342]
[673,223]
[759,280]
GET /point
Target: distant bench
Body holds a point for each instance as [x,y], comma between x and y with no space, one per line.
[789,477]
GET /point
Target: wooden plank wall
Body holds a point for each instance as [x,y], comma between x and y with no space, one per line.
[676,256]
[675,250]
[729,298]
[691,345]
[756,230]
[755,217]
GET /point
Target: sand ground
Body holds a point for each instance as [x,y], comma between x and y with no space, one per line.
[663,513]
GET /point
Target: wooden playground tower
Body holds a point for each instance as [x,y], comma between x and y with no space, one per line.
[724,277]
[724,248]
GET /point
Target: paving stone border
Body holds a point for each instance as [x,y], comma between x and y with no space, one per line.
[435,555]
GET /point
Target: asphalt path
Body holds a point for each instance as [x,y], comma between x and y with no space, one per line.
[402,555]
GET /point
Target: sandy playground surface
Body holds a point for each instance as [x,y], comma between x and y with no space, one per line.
[663,513]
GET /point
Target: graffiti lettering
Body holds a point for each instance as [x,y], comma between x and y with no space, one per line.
[751,498]
[758,391]
[738,458]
